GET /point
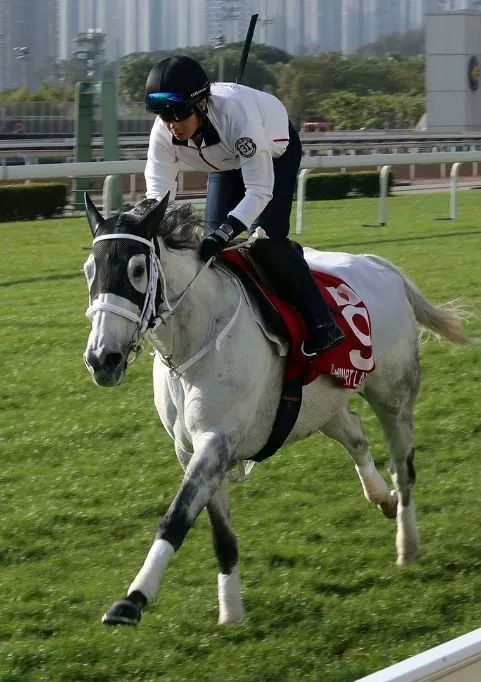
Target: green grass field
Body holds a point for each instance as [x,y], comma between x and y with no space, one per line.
[87,472]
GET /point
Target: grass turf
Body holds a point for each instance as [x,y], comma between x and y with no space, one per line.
[86,474]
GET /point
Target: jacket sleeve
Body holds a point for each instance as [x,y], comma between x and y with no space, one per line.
[162,167]
[248,138]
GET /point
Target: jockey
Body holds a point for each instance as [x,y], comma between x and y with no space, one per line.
[242,137]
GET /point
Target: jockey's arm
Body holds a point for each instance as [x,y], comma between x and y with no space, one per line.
[161,168]
[258,176]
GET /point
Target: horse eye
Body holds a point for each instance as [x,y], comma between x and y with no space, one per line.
[138,271]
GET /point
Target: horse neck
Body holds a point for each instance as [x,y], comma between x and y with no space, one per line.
[210,300]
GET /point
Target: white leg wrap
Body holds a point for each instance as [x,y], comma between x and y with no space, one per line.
[148,578]
[231,608]
[407,537]
[374,486]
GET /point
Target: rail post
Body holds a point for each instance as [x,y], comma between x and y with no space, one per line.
[301,196]
[383,189]
[453,198]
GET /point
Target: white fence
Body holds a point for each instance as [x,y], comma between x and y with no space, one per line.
[309,163]
[458,660]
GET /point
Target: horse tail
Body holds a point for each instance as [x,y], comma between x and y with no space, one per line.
[444,321]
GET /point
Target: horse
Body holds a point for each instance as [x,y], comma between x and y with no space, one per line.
[217,381]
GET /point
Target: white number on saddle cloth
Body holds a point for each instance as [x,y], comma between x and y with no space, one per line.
[352,307]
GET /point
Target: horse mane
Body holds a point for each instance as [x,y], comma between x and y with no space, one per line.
[181,227]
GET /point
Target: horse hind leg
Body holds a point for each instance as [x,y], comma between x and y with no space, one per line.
[231,607]
[398,429]
[346,429]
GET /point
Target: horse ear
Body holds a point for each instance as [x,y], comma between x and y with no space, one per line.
[150,222]
[94,216]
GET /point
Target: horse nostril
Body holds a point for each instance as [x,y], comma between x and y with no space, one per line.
[112,360]
[97,360]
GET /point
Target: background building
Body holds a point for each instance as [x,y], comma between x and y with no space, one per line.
[46,29]
[453,71]
[28,37]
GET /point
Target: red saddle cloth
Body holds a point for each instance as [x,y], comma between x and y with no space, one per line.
[348,362]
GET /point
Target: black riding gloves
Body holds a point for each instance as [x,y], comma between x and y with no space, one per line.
[218,240]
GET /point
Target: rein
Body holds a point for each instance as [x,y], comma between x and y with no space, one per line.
[150,318]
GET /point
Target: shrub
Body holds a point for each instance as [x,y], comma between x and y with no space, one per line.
[366,183]
[338,185]
[34,200]
[328,186]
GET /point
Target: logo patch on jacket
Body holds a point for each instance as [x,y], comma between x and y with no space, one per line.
[246,147]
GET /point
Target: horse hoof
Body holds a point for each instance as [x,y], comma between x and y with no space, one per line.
[123,612]
[389,506]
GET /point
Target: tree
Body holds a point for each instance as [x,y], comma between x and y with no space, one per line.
[376,110]
[135,69]
[133,74]
[408,44]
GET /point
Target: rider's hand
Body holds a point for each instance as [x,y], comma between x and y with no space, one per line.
[218,240]
[215,242]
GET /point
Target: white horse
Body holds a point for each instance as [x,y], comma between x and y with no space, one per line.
[217,382]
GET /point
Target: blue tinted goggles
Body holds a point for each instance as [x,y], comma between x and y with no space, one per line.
[170,106]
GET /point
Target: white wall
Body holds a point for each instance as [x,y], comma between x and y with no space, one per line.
[452,39]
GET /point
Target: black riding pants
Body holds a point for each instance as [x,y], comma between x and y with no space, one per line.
[283,263]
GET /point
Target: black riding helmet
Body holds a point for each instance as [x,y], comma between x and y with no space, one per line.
[174,86]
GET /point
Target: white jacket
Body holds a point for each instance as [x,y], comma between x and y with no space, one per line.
[248,128]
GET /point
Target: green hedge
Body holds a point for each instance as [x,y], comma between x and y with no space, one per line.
[366,183]
[339,185]
[33,200]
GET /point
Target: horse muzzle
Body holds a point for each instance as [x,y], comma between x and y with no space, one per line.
[106,367]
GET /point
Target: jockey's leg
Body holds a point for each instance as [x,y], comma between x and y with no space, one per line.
[225,190]
[231,608]
[285,264]
[204,474]
[289,273]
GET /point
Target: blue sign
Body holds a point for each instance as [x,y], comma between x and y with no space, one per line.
[474,73]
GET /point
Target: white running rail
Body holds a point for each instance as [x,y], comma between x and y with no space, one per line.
[308,164]
[458,660]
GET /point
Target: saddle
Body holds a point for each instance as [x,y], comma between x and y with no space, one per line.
[286,324]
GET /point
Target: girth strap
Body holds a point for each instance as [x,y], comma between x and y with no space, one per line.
[286,416]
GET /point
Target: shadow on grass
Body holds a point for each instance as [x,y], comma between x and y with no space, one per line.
[400,240]
[42,278]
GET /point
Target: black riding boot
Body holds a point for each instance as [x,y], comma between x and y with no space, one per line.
[285,266]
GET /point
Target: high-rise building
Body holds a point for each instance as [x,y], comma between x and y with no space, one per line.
[329,26]
[28,37]
[229,18]
[355,17]
[32,31]
[191,19]
[137,26]
[163,25]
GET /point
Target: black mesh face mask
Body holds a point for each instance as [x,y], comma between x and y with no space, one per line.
[111,275]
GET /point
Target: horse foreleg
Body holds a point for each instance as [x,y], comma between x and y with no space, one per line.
[231,607]
[346,428]
[203,476]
